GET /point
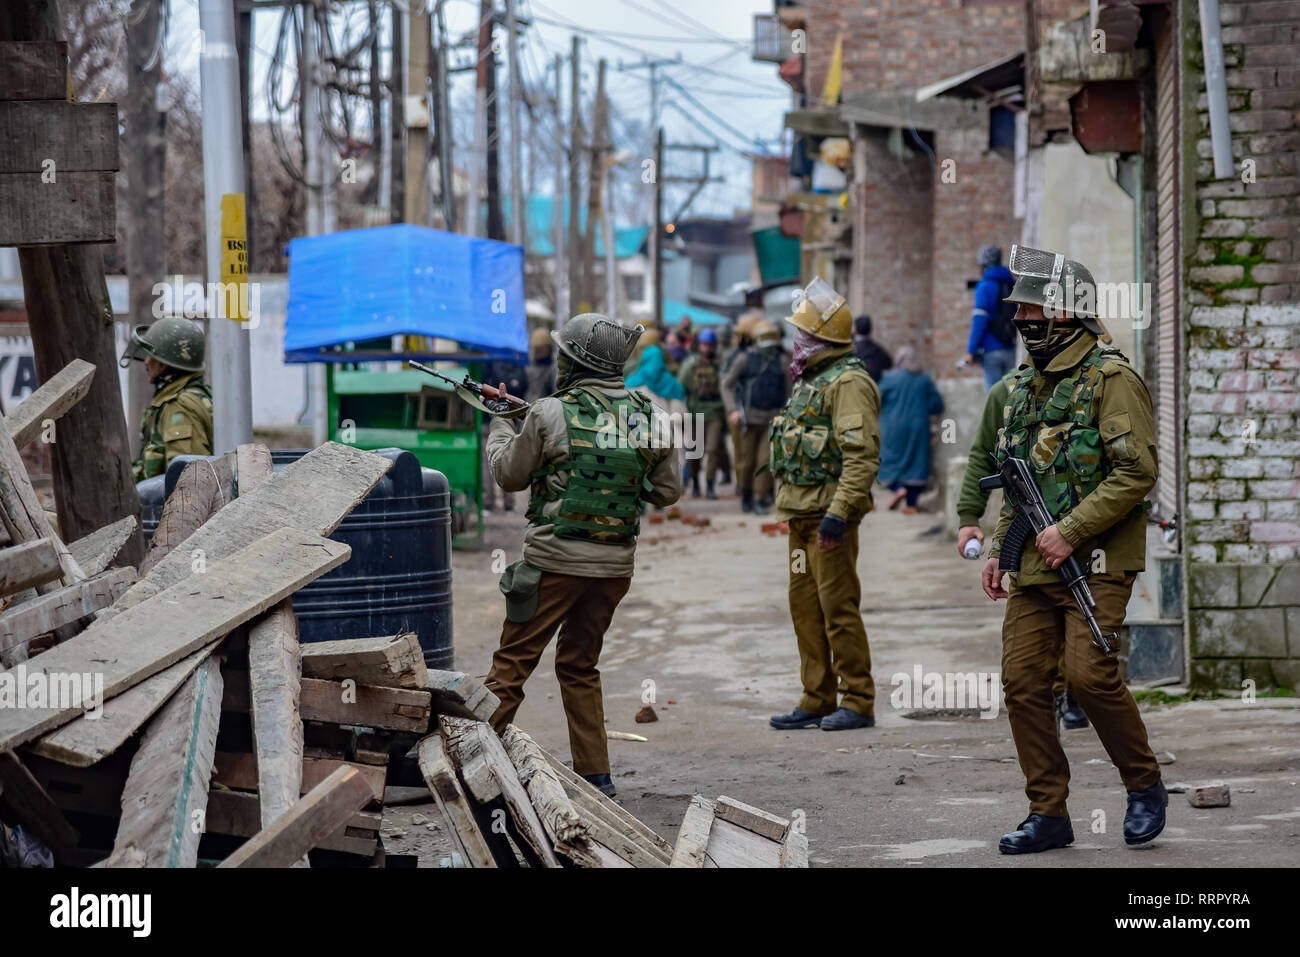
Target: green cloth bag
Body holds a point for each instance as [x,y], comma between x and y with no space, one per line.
[520,584]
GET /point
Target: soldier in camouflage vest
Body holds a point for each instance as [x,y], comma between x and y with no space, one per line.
[1080,415]
[699,376]
[825,454]
[178,420]
[590,455]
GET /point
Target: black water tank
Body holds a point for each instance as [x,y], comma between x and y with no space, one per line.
[399,575]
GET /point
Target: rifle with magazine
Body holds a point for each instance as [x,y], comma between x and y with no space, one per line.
[479,394]
[1032,516]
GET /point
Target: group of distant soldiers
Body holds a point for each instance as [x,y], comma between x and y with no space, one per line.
[1075,411]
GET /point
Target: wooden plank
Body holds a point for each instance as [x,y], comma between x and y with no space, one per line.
[202,489]
[239,772]
[34,70]
[752,818]
[19,624]
[439,775]
[334,702]
[252,466]
[84,741]
[165,799]
[95,551]
[610,824]
[794,850]
[24,518]
[320,813]
[479,744]
[691,849]
[394,661]
[313,494]
[75,208]
[467,753]
[78,137]
[731,845]
[28,565]
[176,622]
[461,695]
[237,814]
[54,397]
[569,832]
[396,794]
[24,801]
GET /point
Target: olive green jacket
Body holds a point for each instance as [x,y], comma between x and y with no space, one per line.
[711,409]
[1110,524]
[980,462]
[544,438]
[853,404]
[177,422]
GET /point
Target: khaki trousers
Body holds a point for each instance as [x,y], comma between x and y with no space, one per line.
[1043,627]
[581,608]
[752,453]
[825,596]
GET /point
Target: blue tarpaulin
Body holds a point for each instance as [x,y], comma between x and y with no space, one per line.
[373,283]
[674,311]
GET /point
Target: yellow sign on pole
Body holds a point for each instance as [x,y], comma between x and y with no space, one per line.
[233,297]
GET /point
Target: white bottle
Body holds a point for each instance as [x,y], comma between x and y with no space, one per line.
[973,549]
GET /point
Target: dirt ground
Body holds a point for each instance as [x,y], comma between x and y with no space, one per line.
[707,622]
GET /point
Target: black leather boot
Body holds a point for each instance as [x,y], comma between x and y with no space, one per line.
[601,782]
[1071,714]
[1038,832]
[1146,814]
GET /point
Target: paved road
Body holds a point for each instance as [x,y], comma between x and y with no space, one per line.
[707,622]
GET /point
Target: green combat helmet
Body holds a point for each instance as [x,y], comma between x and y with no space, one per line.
[172,341]
[597,342]
[1061,286]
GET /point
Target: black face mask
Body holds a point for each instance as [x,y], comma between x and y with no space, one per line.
[1042,345]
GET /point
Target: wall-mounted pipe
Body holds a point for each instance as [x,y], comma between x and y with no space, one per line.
[1216,89]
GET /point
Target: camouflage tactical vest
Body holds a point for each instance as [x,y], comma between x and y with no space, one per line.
[1058,437]
[172,426]
[804,450]
[608,472]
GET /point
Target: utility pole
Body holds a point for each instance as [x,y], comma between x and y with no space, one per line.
[478,157]
[657,253]
[376,100]
[575,181]
[419,48]
[244,42]
[495,224]
[229,367]
[516,131]
[146,128]
[596,177]
[557,207]
[445,171]
[310,100]
[397,125]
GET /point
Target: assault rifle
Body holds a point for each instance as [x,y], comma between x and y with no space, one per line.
[475,392]
[1032,516]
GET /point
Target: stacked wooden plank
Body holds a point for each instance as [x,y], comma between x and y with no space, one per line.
[509,803]
[205,638]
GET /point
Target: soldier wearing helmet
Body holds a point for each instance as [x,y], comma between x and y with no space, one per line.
[590,455]
[825,455]
[701,377]
[1081,416]
[178,420]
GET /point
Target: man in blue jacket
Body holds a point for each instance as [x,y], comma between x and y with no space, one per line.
[992,336]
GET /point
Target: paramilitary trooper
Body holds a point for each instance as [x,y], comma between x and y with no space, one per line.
[825,455]
[590,459]
[1081,417]
[179,419]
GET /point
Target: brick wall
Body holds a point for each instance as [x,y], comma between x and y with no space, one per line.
[1242,241]
[968,213]
[894,208]
[907,43]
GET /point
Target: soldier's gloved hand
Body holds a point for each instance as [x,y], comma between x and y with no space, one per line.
[831,532]
[501,403]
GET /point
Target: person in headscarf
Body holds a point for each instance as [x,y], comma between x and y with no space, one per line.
[908,399]
[652,377]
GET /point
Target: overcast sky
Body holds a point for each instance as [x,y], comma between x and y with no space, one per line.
[713,38]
